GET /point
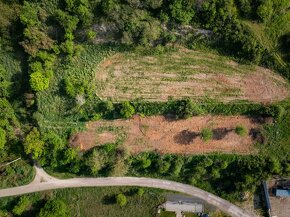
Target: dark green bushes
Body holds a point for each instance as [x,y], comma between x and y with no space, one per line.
[22,205]
[215,173]
[127,110]
[55,207]
[187,108]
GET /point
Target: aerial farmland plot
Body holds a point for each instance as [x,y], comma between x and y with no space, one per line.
[166,135]
[186,73]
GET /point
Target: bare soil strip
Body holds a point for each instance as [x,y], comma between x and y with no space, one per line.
[166,135]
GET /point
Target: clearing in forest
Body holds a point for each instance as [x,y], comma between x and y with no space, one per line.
[186,73]
[167,135]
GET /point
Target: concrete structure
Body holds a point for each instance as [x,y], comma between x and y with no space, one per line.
[182,207]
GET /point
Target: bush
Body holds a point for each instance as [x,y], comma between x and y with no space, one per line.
[2,138]
[163,166]
[121,200]
[182,10]
[29,14]
[140,192]
[206,134]
[177,167]
[186,108]
[33,144]
[68,47]
[265,10]
[119,167]
[75,87]
[38,81]
[54,208]
[21,206]
[241,130]
[97,117]
[91,34]
[95,161]
[127,110]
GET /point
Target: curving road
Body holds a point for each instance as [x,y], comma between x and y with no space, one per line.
[44,182]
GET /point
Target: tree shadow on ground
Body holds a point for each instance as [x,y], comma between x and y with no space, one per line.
[257,135]
[109,199]
[260,120]
[220,133]
[185,137]
[170,117]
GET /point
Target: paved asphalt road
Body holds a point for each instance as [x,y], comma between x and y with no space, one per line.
[44,182]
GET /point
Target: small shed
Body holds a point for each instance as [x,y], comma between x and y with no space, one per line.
[182,207]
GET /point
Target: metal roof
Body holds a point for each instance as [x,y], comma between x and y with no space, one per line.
[182,206]
[282,193]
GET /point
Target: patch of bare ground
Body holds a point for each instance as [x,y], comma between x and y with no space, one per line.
[186,73]
[167,135]
[264,86]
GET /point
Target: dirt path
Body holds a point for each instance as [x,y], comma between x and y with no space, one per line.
[49,183]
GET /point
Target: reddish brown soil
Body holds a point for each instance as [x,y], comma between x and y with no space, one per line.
[166,135]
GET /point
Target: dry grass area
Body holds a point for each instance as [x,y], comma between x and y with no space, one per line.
[166,135]
[186,73]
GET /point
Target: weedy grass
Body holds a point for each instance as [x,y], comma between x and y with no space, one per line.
[95,201]
[56,110]
[15,174]
[178,72]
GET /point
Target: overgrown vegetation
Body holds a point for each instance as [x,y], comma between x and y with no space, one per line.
[206,134]
[84,202]
[13,115]
[241,130]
